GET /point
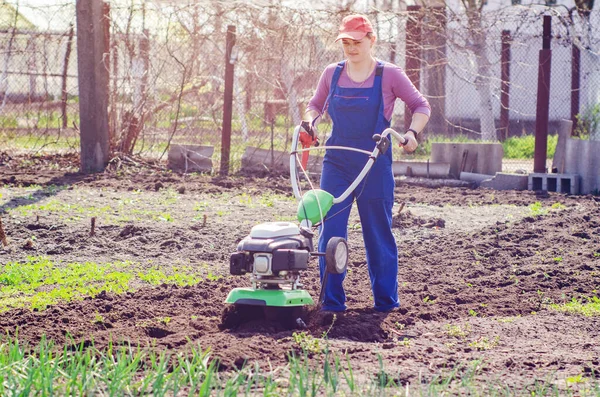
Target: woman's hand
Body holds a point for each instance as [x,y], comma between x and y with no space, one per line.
[411,142]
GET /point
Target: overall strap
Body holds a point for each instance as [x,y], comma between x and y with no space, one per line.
[336,75]
[334,80]
[378,89]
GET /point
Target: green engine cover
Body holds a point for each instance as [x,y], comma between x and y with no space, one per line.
[269,297]
[308,208]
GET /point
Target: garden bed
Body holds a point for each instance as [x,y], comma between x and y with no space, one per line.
[492,283]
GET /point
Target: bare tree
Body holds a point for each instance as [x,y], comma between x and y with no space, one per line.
[478,47]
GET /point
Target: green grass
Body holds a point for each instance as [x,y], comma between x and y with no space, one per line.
[38,282]
[47,370]
[587,307]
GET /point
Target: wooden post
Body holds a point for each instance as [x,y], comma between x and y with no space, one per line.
[434,36]
[543,100]
[227,102]
[505,86]
[64,96]
[93,77]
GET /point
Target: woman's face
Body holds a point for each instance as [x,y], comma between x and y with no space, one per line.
[358,50]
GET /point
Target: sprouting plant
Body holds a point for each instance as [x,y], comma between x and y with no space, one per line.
[213,277]
[404,342]
[200,206]
[245,199]
[537,209]
[307,342]
[557,259]
[457,331]
[427,299]
[325,333]
[166,217]
[484,343]
[267,200]
[472,313]
[558,206]
[164,320]
[98,318]
[576,379]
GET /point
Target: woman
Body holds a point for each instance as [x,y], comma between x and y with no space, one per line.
[359,95]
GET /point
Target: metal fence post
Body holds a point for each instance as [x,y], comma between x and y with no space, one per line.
[575,81]
[93,85]
[227,102]
[413,53]
[543,99]
[505,86]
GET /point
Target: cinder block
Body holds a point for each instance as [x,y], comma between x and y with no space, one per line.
[560,183]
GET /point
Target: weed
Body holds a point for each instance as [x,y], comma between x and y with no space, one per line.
[165,217]
[98,318]
[39,282]
[307,342]
[536,209]
[484,343]
[578,306]
[576,379]
[457,331]
[428,300]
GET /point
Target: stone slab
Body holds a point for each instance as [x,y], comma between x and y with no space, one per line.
[190,158]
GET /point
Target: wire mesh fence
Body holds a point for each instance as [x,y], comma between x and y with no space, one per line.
[166,62]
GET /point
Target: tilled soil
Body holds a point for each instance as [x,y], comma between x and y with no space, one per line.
[478,272]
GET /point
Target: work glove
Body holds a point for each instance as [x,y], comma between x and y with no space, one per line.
[308,135]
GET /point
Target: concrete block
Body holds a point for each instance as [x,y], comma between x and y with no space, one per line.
[560,183]
[256,159]
[421,169]
[190,158]
[564,132]
[479,158]
[583,158]
[474,178]
[506,181]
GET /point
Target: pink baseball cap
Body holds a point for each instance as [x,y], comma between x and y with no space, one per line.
[354,27]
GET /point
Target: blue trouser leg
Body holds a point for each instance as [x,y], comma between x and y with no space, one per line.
[382,251]
[334,182]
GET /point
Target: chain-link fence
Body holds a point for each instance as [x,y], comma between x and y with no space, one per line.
[166,61]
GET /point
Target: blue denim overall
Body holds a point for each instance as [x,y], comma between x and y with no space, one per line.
[357,114]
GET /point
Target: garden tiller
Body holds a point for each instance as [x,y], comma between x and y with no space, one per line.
[274,254]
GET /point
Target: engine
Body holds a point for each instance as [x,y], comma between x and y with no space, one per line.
[273,250]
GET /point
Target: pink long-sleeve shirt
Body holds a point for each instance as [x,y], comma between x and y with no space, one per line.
[394,83]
